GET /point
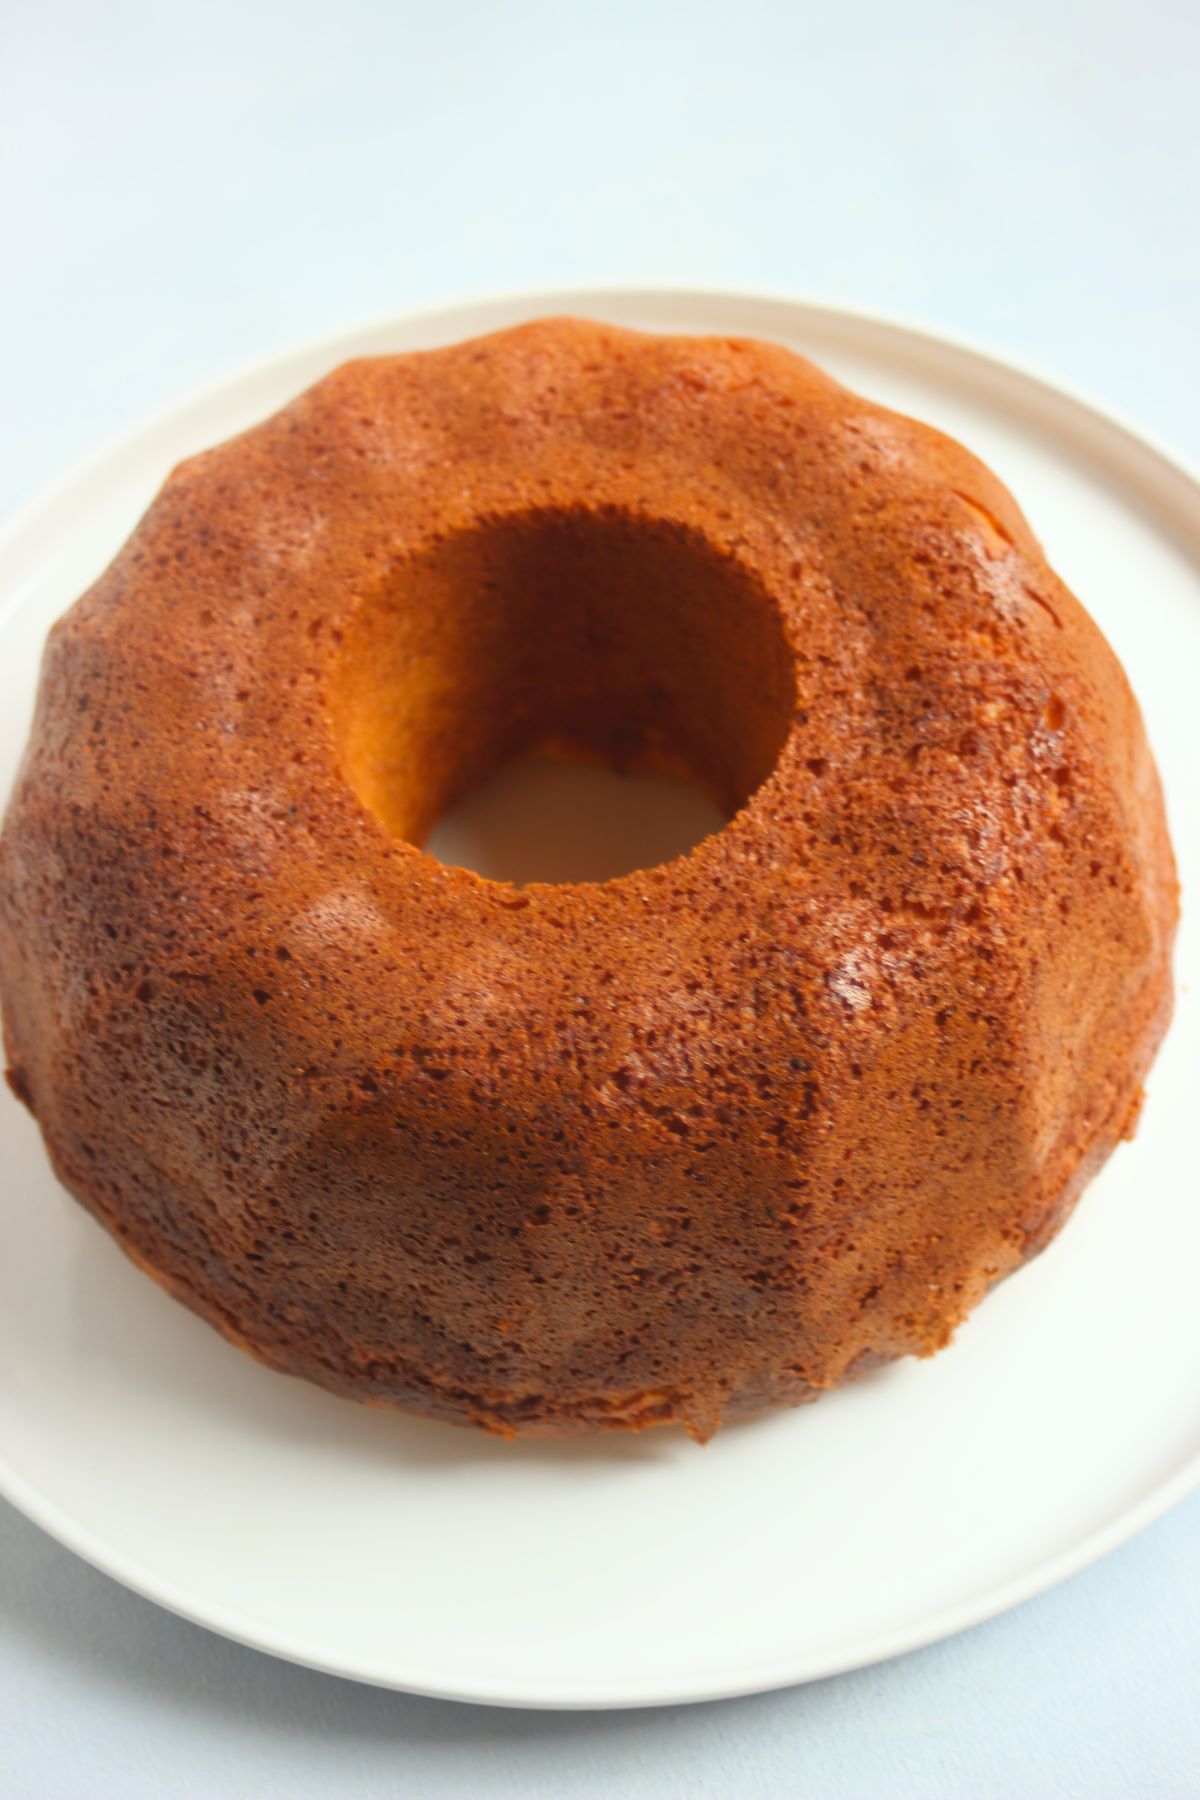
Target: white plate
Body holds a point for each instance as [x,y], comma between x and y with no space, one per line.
[638,1570]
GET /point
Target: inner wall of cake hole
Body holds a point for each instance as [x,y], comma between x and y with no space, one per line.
[563,695]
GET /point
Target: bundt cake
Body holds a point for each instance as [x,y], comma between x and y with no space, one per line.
[710,1137]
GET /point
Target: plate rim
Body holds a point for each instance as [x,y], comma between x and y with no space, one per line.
[21,530]
[795,1672]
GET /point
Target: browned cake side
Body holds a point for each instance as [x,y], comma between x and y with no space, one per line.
[710,1137]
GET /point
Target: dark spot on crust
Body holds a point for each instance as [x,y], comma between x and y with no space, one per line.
[18,1081]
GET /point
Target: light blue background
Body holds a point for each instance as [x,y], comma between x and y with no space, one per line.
[187,187]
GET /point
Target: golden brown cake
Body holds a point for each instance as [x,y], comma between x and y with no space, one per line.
[710,1137]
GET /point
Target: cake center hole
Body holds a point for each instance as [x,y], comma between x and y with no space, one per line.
[563,696]
[554,818]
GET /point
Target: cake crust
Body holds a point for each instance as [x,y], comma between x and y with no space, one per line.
[711,1137]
